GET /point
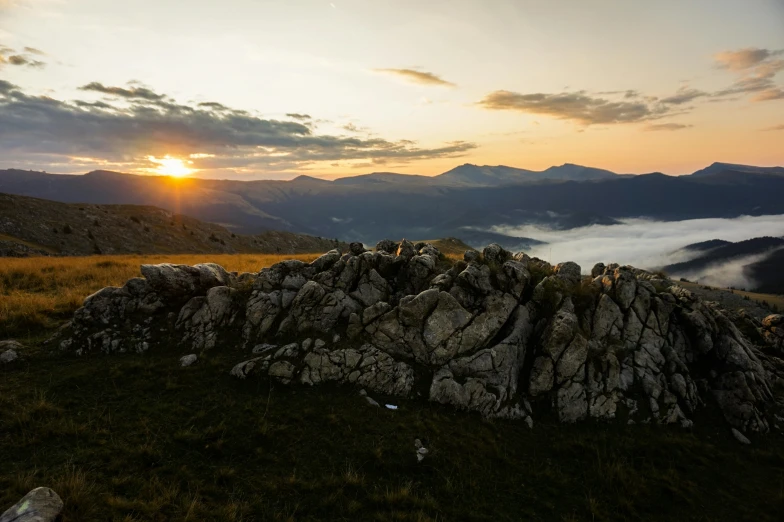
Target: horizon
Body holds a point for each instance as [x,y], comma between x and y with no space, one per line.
[286,90]
[327,177]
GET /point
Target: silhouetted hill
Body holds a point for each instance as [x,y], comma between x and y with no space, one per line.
[31,226]
[766,273]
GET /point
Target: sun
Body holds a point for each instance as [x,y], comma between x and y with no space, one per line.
[173,167]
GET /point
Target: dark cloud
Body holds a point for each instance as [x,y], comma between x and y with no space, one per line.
[33,50]
[684,95]
[214,106]
[142,93]
[142,123]
[667,126]
[775,128]
[6,87]
[298,116]
[421,77]
[576,106]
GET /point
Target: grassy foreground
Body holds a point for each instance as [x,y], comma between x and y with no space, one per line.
[39,293]
[131,438]
[137,438]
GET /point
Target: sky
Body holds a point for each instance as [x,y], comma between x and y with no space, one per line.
[271,89]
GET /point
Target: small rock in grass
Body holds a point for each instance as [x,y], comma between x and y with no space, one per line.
[187,360]
[8,356]
[740,437]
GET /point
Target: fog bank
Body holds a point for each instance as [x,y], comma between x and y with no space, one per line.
[649,244]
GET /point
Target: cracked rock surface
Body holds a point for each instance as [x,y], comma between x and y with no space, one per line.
[499,333]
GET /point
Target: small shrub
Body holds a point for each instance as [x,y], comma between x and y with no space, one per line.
[67,229]
[146,228]
[136,220]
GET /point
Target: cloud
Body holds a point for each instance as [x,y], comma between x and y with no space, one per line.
[576,106]
[643,243]
[684,95]
[774,128]
[421,77]
[27,57]
[667,127]
[769,94]
[137,122]
[142,93]
[298,116]
[743,59]
[757,69]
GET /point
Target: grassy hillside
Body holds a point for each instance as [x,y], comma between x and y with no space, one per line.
[133,438]
[36,226]
[39,293]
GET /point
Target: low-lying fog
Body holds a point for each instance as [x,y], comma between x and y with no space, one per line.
[651,244]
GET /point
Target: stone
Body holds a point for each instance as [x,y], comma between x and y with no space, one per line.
[740,437]
[471,256]
[188,360]
[569,272]
[39,505]
[387,246]
[9,351]
[406,249]
[356,249]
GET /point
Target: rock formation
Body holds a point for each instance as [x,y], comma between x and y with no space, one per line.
[498,333]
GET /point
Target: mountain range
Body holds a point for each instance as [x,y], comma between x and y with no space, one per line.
[471,202]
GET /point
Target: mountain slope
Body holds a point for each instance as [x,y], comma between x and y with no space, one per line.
[30,226]
[717,168]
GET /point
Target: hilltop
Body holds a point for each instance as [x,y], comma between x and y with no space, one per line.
[30,226]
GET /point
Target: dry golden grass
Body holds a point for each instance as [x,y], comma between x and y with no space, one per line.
[38,293]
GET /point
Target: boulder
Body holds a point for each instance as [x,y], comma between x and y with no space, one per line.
[40,505]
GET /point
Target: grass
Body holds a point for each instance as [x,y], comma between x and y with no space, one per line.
[39,293]
[136,438]
[768,300]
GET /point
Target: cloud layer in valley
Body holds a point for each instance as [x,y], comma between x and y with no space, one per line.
[648,244]
[128,124]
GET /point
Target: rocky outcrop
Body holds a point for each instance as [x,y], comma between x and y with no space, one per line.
[501,334]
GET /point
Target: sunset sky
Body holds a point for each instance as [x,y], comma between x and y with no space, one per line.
[254,89]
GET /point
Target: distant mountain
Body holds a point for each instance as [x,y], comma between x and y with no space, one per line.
[388,205]
[706,245]
[766,273]
[487,176]
[717,168]
[31,226]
